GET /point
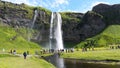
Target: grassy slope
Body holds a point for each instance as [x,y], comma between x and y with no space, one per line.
[95,55]
[7,33]
[111,35]
[19,62]
[113,31]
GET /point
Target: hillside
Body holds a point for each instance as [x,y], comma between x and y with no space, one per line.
[11,39]
[101,24]
[111,35]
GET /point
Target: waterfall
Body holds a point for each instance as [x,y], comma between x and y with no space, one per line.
[31,25]
[34,19]
[51,31]
[58,32]
[56,41]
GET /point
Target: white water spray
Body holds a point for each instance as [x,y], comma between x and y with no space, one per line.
[56,41]
[58,32]
[51,31]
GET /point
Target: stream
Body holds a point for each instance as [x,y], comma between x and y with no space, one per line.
[73,63]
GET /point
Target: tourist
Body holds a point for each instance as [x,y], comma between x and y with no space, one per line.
[25,55]
[14,52]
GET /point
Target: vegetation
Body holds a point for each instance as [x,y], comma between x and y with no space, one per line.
[109,36]
[28,11]
[19,62]
[69,44]
[94,13]
[48,12]
[98,54]
[68,17]
[11,39]
[6,55]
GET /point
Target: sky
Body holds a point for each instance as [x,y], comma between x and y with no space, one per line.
[66,5]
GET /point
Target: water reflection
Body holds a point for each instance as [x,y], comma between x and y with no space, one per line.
[72,63]
[56,60]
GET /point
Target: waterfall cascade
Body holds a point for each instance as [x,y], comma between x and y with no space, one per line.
[31,25]
[56,41]
[34,18]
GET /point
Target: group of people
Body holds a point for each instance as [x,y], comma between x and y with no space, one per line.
[13,52]
[44,51]
[114,46]
[24,53]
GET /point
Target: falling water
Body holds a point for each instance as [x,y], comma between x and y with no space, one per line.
[31,25]
[34,19]
[58,32]
[56,41]
[51,30]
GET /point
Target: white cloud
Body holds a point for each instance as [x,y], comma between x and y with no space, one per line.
[89,8]
[57,3]
[50,4]
[71,10]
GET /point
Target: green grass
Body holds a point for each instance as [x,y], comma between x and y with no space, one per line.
[28,10]
[67,16]
[111,35]
[94,55]
[6,55]
[19,62]
[19,43]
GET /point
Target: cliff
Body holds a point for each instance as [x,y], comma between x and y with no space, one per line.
[101,24]
[111,13]
[70,21]
[21,16]
[76,27]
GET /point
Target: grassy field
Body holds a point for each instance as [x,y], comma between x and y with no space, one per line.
[94,55]
[10,39]
[9,61]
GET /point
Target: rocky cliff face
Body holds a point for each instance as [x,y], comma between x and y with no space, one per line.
[70,21]
[110,13]
[76,26]
[21,15]
[95,21]
[92,24]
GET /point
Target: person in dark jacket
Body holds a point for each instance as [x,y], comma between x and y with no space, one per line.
[25,55]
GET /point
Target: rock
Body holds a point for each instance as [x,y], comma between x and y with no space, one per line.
[92,24]
[70,34]
[76,26]
[111,13]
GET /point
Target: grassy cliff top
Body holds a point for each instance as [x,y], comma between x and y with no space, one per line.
[29,10]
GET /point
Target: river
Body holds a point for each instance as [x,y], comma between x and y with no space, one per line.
[73,63]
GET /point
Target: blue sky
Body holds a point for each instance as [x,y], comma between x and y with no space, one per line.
[66,5]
